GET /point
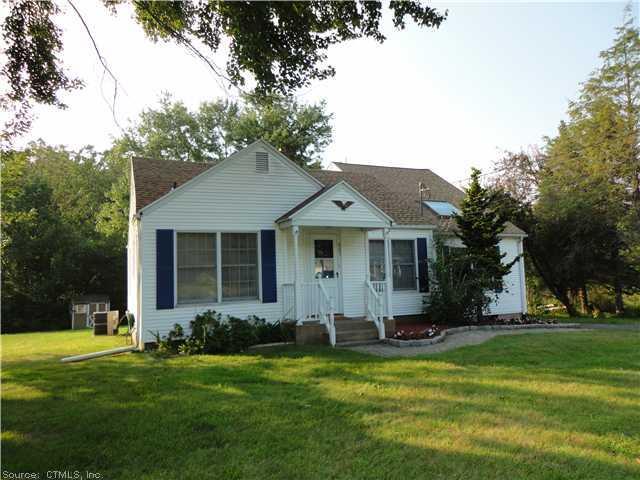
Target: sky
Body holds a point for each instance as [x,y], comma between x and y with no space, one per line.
[493,77]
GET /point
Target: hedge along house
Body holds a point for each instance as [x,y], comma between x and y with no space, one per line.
[255,234]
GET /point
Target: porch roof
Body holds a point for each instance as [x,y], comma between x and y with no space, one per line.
[339,205]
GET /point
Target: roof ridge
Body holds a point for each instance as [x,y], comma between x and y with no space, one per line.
[381,166]
[154,159]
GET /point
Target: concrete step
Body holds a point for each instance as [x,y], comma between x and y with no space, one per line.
[345,325]
[356,336]
[357,343]
[342,318]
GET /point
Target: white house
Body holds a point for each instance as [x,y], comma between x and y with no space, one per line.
[255,234]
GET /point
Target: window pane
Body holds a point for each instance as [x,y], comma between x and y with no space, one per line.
[376,260]
[197,281]
[404,268]
[239,266]
[324,268]
[323,248]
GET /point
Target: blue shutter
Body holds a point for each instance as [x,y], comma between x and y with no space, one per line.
[164,269]
[423,265]
[268,255]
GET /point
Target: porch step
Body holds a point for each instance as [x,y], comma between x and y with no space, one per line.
[357,343]
[355,330]
[354,324]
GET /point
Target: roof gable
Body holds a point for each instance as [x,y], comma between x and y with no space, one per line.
[155,180]
[338,205]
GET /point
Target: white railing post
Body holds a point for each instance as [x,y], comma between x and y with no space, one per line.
[388,272]
[374,307]
[296,275]
[326,312]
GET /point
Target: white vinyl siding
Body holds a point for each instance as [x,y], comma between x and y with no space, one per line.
[233,199]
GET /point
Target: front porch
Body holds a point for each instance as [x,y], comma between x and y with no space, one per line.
[327,286]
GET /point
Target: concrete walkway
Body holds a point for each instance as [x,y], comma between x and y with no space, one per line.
[474,337]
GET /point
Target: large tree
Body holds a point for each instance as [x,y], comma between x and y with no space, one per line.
[479,224]
[51,249]
[279,46]
[581,206]
[211,133]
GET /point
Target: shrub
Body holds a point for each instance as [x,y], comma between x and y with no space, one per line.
[212,333]
[458,292]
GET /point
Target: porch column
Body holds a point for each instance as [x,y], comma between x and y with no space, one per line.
[388,272]
[296,275]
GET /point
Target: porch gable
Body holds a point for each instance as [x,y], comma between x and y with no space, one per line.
[338,206]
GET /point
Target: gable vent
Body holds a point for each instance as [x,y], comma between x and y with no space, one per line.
[262,162]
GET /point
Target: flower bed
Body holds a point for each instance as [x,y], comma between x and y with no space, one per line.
[413,339]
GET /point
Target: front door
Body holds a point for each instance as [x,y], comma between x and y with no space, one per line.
[326,267]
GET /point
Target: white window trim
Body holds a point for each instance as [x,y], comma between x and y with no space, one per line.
[219,300]
[416,287]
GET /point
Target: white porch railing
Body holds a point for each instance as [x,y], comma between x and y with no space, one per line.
[381,289]
[315,305]
[374,304]
[288,301]
[326,312]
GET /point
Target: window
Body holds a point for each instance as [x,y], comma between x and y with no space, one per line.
[404,265]
[376,260]
[323,259]
[239,266]
[443,209]
[80,308]
[197,269]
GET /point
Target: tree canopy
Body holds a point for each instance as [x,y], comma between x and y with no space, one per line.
[578,199]
[279,46]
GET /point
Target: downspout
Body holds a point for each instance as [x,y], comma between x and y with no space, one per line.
[523,283]
[139,342]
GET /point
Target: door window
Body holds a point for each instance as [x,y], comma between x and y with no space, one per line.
[323,259]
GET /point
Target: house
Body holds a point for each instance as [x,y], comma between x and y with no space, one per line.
[257,234]
[84,306]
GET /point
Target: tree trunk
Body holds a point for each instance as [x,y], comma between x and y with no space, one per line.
[559,292]
[568,304]
[585,306]
[618,297]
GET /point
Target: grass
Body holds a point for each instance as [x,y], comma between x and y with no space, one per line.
[535,406]
[611,320]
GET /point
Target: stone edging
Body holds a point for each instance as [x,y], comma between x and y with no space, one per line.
[268,345]
[440,338]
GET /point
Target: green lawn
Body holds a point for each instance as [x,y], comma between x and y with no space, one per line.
[535,406]
[601,320]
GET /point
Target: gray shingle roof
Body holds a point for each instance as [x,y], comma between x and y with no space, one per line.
[392,189]
[155,178]
[397,189]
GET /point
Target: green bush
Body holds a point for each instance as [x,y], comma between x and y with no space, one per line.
[212,333]
[457,296]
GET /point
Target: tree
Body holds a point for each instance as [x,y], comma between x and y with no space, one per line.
[50,247]
[281,46]
[607,115]
[579,204]
[301,132]
[458,293]
[209,134]
[33,69]
[480,222]
[518,174]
